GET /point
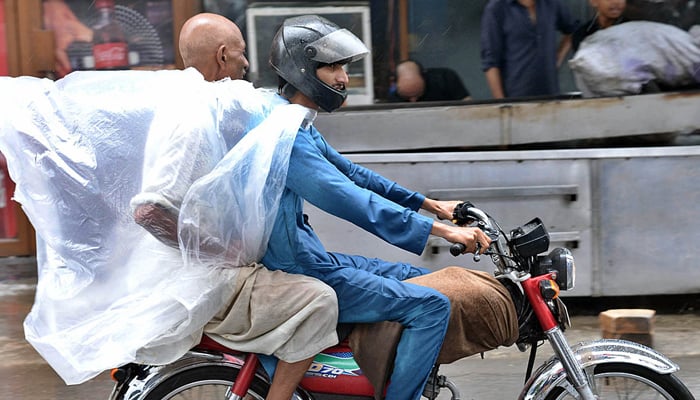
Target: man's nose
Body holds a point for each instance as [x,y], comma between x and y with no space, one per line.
[342,76]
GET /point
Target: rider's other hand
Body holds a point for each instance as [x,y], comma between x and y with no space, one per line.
[441,209]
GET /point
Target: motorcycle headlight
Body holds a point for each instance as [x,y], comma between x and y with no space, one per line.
[561,262]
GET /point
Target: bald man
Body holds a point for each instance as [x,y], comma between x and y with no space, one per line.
[214,46]
[414,83]
[305,307]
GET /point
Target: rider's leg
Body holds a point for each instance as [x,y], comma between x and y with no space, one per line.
[400,271]
[418,340]
[425,325]
[286,379]
[424,313]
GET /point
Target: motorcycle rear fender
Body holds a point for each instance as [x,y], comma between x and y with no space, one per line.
[139,387]
[589,354]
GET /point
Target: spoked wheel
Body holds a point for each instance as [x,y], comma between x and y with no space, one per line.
[205,383]
[626,381]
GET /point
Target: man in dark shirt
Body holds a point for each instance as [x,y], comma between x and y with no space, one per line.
[519,52]
[608,13]
[413,83]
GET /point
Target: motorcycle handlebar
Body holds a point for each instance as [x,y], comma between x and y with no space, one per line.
[465,213]
[457,249]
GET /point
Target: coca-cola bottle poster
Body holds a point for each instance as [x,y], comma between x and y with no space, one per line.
[110,34]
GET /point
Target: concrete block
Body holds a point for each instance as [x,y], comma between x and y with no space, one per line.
[635,325]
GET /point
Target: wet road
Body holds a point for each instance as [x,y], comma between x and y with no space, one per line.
[24,374]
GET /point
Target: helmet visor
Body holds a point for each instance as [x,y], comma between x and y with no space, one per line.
[337,46]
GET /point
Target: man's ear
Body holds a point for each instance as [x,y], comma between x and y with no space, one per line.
[221,55]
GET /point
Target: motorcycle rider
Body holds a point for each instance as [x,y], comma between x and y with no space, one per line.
[308,54]
[307,308]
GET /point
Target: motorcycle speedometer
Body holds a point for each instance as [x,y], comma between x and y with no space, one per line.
[530,239]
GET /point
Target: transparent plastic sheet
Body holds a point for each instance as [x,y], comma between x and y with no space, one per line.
[619,60]
[257,169]
[108,292]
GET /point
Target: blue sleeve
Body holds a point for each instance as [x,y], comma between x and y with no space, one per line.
[491,37]
[329,187]
[370,180]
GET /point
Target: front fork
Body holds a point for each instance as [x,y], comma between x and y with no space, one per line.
[538,289]
[573,369]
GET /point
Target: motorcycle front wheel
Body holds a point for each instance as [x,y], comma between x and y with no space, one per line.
[628,381]
[204,383]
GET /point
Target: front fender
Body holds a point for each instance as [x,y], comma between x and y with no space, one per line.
[589,354]
[152,376]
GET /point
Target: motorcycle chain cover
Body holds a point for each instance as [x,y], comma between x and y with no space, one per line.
[530,239]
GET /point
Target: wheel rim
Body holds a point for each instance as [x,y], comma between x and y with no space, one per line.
[206,390]
[622,385]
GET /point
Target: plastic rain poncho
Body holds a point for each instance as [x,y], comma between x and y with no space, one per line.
[108,292]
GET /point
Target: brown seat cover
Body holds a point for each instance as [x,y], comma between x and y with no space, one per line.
[482,318]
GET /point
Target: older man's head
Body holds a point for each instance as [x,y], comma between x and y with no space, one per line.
[214,45]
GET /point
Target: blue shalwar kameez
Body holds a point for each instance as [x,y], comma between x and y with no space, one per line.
[369,290]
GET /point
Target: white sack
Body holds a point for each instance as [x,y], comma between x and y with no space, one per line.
[620,59]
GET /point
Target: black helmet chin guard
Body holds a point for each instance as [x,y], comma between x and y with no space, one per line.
[304,43]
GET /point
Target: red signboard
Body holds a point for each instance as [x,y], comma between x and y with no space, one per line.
[3,41]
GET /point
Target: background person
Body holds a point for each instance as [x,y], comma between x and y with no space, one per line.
[414,83]
[519,52]
[607,14]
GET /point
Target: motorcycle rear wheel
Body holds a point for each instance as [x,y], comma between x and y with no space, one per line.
[625,381]
[205,383]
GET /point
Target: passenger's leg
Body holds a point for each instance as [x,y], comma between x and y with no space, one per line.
[287,378]
[292,316]
[312,325]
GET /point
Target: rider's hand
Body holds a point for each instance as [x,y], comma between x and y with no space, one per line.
[441,209]
[468,236]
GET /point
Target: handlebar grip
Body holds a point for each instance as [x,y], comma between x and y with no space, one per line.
[457,249]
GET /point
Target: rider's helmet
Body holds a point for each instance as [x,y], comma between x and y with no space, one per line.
[305,43]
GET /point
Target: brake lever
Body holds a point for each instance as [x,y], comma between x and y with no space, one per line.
[477,256]
[459,248]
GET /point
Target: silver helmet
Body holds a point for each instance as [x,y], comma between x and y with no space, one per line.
[303,44]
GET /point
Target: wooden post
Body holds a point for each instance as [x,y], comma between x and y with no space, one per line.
[404,38]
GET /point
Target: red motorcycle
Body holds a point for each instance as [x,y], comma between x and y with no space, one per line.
[601,369]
